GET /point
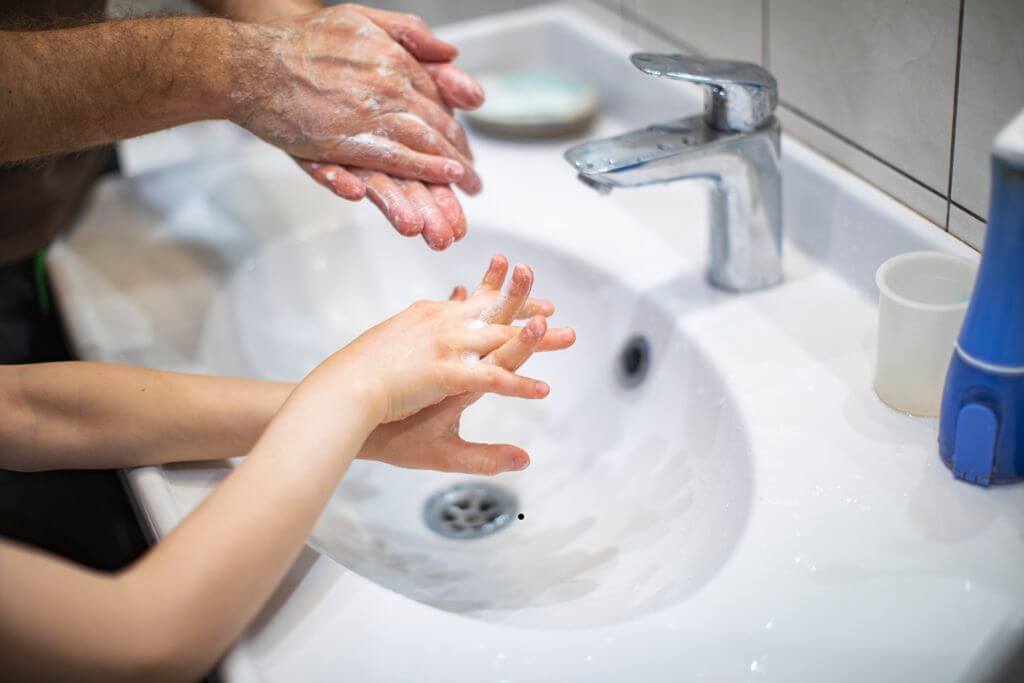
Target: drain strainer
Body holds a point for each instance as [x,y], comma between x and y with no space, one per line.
[471,510]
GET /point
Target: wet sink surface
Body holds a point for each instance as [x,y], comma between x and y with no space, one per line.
[637,494]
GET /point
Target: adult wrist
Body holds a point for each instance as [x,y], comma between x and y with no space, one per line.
[267,10]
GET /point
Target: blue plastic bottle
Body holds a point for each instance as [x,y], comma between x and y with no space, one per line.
[981,428]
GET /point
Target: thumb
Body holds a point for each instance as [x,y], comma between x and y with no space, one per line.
[483,458]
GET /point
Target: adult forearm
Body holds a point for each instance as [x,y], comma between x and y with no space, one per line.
[260,10]
[69,89]
[96,415]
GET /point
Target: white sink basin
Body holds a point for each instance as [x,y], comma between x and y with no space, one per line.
[749,511]
[602,536]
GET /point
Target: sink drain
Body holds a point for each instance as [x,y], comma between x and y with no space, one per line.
[471,510]
[634,361]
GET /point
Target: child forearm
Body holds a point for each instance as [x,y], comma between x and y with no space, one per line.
[171,615]
[87,415]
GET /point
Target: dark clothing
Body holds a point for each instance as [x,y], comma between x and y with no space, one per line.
[38,198]
[85,516]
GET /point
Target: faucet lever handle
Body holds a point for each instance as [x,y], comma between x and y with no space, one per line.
[739,96]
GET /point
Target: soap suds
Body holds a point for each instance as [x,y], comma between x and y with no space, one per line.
[470,357]
[476,323]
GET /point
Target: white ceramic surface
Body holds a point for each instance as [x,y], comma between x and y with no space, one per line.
[752,512]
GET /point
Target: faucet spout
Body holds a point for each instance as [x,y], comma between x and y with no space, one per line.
[746,188]
[734,145]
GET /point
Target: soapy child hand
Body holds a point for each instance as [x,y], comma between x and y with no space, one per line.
[430,438]
[432,350]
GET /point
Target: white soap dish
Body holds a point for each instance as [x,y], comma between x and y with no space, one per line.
[534,104]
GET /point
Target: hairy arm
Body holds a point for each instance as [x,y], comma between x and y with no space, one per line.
[96,415]
[69,89]
[260,10]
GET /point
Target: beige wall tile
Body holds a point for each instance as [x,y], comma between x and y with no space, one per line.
[991,92]
[717,28]
[877,72]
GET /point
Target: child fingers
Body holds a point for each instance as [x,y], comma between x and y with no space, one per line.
[513,353]
[492,379]
[557,338]
[458,294]
[483,459]
[490,337]
[504,310]
[534,307]
[495,275]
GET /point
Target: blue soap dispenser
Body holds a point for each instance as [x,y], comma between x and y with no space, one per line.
[981,427]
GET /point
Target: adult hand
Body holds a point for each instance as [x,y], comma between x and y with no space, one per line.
[345,86]
[430,439]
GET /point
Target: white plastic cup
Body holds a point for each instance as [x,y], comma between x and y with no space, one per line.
[924,297]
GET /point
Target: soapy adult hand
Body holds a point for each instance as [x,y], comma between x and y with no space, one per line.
[430,438]
[344,91]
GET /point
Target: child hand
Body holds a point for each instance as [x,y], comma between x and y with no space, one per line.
[430,438]
[432,350]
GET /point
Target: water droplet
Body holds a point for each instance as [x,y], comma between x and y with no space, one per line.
[768,626]
[757,667]
[796,559]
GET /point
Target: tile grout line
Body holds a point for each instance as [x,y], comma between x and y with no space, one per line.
[966,210]
[956,108]
[842,138]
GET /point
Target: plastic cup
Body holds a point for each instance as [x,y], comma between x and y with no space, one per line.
[924,297]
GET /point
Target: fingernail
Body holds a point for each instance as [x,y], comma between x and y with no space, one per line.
[474,185]
[520,461]
[543,389]
[454,171]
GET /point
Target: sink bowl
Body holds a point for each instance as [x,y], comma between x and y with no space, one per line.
[747,509]
[639,487]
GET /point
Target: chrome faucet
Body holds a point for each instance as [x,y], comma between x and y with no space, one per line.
[734,144]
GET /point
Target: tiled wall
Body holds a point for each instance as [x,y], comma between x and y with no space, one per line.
[906,93]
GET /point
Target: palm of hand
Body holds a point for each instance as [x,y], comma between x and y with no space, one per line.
[430,439]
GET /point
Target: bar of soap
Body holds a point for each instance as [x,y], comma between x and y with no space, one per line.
[534,104]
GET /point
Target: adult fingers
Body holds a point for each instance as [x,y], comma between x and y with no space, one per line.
[335,178]
[458,89]
[392,202]
[452,210]
[436,231]
[412,33]
[416,134]
[380,153]
[438,118]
